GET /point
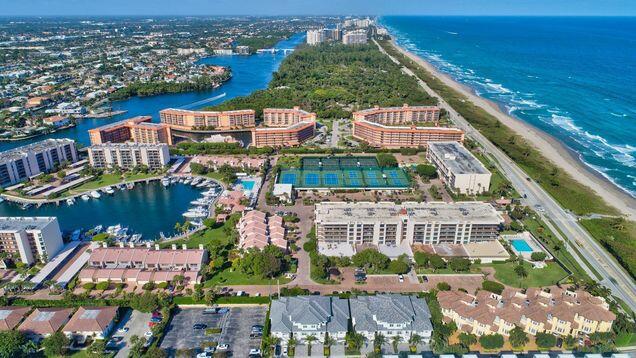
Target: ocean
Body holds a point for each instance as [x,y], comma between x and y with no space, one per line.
[572,77]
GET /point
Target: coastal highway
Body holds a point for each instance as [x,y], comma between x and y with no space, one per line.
[591,252]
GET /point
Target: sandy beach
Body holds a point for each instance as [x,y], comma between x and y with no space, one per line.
[546,144]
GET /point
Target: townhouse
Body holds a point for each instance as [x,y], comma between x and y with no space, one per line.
[257,230]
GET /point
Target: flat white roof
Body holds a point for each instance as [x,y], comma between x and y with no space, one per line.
[457,158]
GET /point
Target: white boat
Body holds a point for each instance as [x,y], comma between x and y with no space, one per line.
[85,197]
[173,180]
[130,185]
[135,237]
[187,180]
[70,201]
[196,213]
[97,229]
[201,185]
[1,199]
[95,194]
[109,190]
[165,182]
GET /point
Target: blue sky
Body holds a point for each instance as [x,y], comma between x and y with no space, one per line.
[317,7]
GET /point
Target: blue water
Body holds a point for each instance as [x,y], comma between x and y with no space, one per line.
[249,73]
[521,245]
[570,77]
[147,209]
[151,209]
[247,184]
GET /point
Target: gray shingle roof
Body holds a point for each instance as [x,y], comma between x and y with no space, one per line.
[392,309]
[309,310]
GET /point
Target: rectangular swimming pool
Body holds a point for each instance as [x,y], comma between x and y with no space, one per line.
[521,245]
[247,184]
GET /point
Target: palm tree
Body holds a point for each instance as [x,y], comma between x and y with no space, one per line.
[395,341]
[378,341]
[355,340]
[310,339]
[414,341]
[329,342]
[291,343]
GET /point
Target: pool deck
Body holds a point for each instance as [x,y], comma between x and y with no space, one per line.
[530,240]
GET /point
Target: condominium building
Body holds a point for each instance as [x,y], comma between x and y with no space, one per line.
[304,316]
[30,239]
[411,223]
[458,168]
[24,162]
[391,315]
[356,37]
[128,155]
[383,136]
[315,37]
[392,116]
[193,120]
[555,311]
[290,136]
[138,129]
[256,230]
[284,117]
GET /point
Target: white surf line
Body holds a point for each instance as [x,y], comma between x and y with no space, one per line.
[198,103]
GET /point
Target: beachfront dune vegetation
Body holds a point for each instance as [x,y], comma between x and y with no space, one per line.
[334,80]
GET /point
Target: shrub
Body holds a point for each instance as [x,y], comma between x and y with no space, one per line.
[310,246]
[88,286]
[399,266]
[148,286]
[162,285]
[492,286]
[538,256]
[443,286]
[102,285]
[491,341]
[426,171]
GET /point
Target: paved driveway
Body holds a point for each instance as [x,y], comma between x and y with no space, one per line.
[137,323]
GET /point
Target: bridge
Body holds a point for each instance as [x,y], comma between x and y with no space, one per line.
[275,50]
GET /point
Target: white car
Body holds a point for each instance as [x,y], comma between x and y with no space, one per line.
[401,278]
[123,330]
[222,347]
[255,351]
[203,355]
[148,334]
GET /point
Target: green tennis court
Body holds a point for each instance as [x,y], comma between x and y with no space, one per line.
[343,172]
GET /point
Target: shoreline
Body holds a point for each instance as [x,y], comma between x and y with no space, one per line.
[562,156]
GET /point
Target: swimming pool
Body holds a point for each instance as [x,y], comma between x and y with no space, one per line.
[247,184]
[521,245]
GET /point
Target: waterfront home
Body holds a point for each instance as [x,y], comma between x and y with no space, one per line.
[57,121]
[304,316]
[11,316]
[391,315]
[147,258]
[554,310]
[43,322]
[95,322]
[242,161]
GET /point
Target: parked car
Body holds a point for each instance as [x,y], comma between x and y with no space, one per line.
[277,351]
[199,326]
[222,347]
[255,352]
[401,278]
[257,328]
[123,330]
[148,334]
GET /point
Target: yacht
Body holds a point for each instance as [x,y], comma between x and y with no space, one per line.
[135,237]
[196,213]
[109,190]
[165,182]
[70,201]
[85,197]
[97,229]
[187,180]
[130,185]
[95,194]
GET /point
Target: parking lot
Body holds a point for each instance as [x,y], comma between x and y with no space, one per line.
[137,324]
[235,330]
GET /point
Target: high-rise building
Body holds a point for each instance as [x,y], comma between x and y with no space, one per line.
[382,136]
[290,136]
[398,115]
[458,168]
[315,37]
[30,239]
[208,120]
[138,129]
[282,117]
[24,162]
[392,224]
[129,155]
[355,37]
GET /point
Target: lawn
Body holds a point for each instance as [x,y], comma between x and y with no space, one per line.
[107,180]
[626,340]
[618,236]
[201,237]
[546,276]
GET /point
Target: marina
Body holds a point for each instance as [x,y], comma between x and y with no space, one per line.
[155,208]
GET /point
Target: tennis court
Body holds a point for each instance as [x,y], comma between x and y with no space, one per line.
[342,173]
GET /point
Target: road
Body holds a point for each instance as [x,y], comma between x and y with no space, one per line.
[335,133]
[612,274]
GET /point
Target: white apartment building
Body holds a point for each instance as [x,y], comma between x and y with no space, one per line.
[356,37]
[409,223]
[129,155]
[30,239]
[315,37]
[458,168]
[24,162]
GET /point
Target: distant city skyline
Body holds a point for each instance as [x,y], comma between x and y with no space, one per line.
[324,7]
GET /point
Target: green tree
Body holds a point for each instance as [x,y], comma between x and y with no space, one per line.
[443,286]
[55,344]
[518,338]
[354,340]
[96,350]
[11,344]
[459,264]
[399,266]
[136,346]
[371,259]
[378,341]
[310,339]
[437,262]
[155,352]
[538,256]
[421,258]
[521,271]
[386,160]
[426,171]
[492,286]
[545,340]
[491,341]
[467,339]
[414,341]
